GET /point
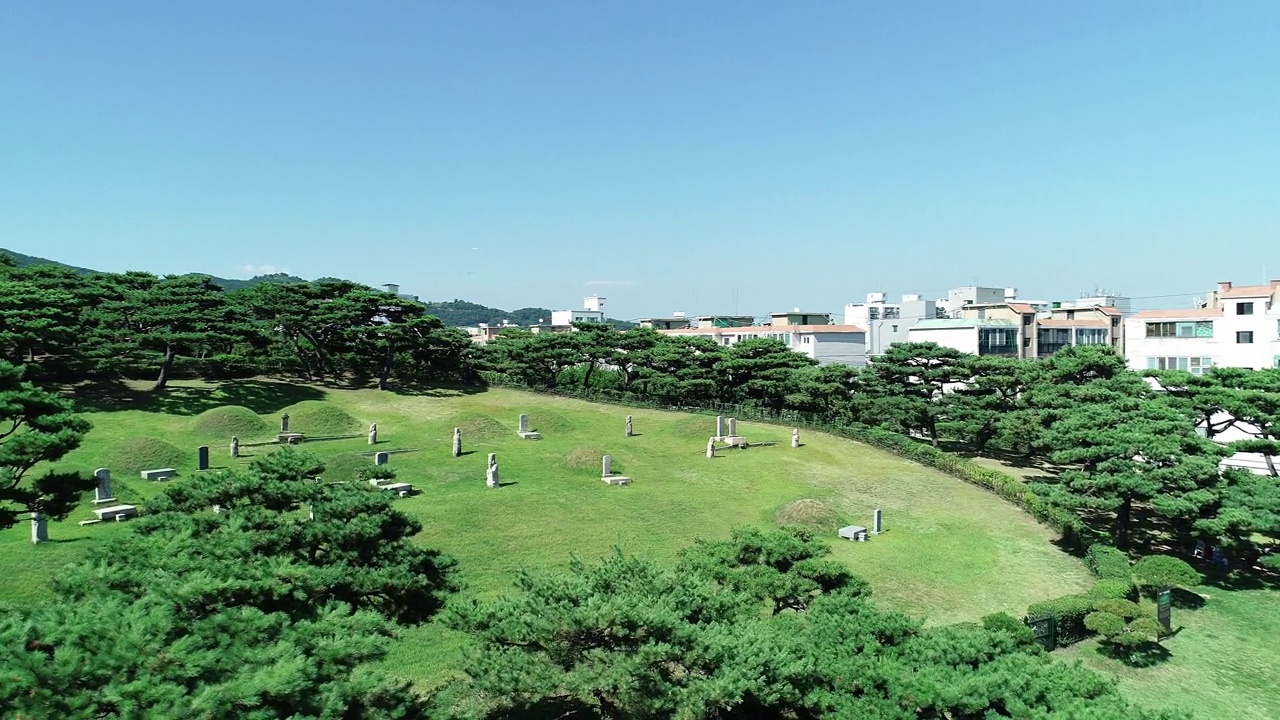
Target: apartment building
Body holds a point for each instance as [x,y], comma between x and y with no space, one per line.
[1022,330]
[826,343]
[888,323]
[1238,326]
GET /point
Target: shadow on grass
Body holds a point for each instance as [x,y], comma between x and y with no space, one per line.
[260,396]
[1143,655]
[1185,599]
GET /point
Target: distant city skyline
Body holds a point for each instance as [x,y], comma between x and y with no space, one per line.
[715,158]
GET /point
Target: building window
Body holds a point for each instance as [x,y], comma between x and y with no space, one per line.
[1244,337]
[1092,336]
[1026,341]
[1051,340]
[805,339]
[1028,319]
[1195,365]
[873,313]
[1115,322]
[1071,314]
[1197,329]
[997,341]
[1275,362]
[1244,308]
[895,328]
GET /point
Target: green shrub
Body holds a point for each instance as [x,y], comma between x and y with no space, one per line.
[1108,563]
[1155,572]
[1126,609]
[1112,590]
[1006,623]
[1069,612]
[1105,624]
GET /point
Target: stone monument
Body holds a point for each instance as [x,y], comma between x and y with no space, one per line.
[457,442]
[39,528]
[235,447]
[606,472]
[491,474]
[381,458]
[102,494]
[523,430]
[373,433]
[795,437]
[720,427]
[877,522]
[202,457]
[629,430]
[711,447]
[284,423]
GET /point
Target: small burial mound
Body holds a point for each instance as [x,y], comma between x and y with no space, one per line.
[584,458]
[482,427]
[231,421]
[318,418]
[342,468]
[548,422]
[807,513]
[137,454]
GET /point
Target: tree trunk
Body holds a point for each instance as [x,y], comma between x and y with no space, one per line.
[388,363]
[1271,464]
[165,367]
[984,436]
[586,377]
[932,426]
[1122,523]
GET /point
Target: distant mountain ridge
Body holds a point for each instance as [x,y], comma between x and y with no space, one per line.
[458,313]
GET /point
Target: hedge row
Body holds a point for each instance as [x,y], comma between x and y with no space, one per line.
[1075,535]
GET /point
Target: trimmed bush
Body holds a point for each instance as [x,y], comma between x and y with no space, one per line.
[1069,612]
[1006,623]
[1155,572]
[1108,563]
[232,421]
[137,454]
[1112,590]
[318,418]
[1126,609]
[807,513]
[1104,623]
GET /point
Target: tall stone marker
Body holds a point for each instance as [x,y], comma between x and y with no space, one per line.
[606,472]
[373,433]
[491,473]
[457,442]
[795,437]
[39,528]
[381,458]
[711,447]
[733,427]
[606,465]
[202,457]
[235,447]
[1164,608]
[629,430]
[877,522]
[284,423]
[102,493]
[720,426]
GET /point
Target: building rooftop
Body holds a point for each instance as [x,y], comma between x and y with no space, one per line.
[764,329]
[1078,322]
[944,323]
[1249,291]
[1022,308]
[1180,313]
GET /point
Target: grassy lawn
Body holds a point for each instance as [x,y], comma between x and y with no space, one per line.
[951,551]
[1221,664]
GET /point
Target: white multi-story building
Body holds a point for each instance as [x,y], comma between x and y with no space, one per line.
[1237,327]
[887,323]
[593,311]
[844,344]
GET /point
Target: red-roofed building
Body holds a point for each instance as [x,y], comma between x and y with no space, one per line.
[1237,327]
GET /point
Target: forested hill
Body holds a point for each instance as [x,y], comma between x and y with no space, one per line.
[224,283]
[456,313]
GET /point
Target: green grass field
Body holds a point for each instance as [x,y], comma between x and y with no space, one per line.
[951,551]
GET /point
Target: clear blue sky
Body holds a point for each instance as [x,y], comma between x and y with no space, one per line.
[668,155]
